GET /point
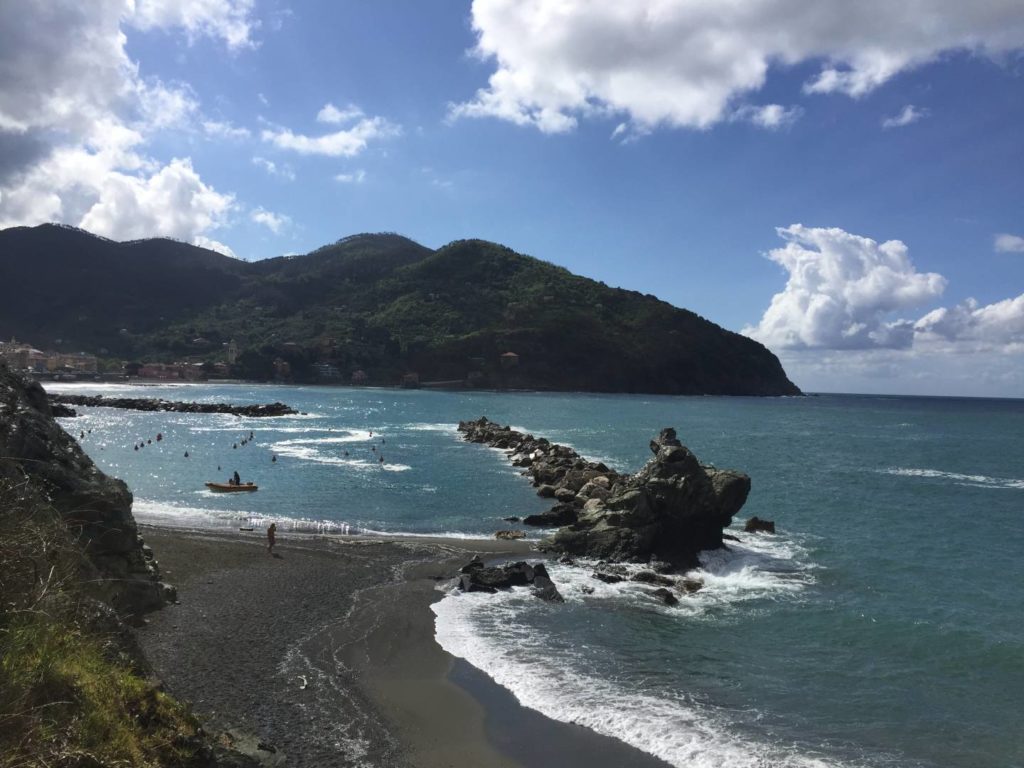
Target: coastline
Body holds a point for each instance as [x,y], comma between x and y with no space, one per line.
[327,653]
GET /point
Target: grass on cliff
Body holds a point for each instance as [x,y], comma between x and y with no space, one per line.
[68,694]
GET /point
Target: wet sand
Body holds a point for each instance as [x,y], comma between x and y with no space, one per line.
[326,652]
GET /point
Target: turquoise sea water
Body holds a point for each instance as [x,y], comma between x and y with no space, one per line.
[883,626]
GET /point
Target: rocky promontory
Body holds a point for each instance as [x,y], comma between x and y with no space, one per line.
[670,510]
[157,404]
[96,508]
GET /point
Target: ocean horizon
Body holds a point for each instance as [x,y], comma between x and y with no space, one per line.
[881,626]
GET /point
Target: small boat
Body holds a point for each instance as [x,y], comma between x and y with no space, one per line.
[231,487]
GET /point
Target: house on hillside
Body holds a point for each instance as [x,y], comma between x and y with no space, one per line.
[509,360]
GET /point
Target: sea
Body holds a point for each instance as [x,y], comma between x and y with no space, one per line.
[883,625]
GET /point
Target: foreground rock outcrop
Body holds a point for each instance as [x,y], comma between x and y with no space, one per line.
[670,510]
[96,508]
[157,404]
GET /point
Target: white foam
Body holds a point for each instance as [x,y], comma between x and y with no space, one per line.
[303,450]
[185,516]
[485,630]
[977,481]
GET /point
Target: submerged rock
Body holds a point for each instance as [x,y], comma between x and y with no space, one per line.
[757,525]
[479,578]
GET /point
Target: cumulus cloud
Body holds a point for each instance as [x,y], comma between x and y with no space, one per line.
[909,114]
[842,299]
[214,245]
[685,63]
[275,222]
[1006,243]
[841,292]
[344,143]
[79,112]
[230,20]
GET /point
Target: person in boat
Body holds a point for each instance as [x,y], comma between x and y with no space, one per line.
[236,478]
[271,537]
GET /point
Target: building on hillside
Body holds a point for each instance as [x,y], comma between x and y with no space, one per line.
[77,362]
[22,357]
[326,372]
[509,360]
[232,352]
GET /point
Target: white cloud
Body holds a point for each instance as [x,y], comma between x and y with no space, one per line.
[284,171]
[1006,243]
[356,177]
[770,116]
[230,20]
[214,245]
[174,202]
[1000,324]
[344,143]
[331,114]
[686,63]
[225,130]
[841,291]
[909,114]
[275,222]
[83,114]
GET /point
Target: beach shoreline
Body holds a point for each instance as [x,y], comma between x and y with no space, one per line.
[326,652]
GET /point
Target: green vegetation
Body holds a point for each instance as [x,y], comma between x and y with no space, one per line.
[70,690]
[378,303]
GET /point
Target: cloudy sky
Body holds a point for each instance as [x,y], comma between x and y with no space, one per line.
[841,181]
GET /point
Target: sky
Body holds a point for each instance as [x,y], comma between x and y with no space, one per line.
[843,182]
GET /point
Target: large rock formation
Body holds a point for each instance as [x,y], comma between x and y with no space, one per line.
[155,404]
[97,508]
[670,510]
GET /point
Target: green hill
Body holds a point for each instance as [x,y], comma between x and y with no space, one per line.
[379,303]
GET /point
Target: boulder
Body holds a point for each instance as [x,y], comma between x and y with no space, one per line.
[510,535]
[757,525]
[560,514]
[665,596]
[650,577]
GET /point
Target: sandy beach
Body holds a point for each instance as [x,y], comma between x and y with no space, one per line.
[326,653]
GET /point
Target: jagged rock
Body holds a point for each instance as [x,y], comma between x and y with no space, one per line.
[665,596]
[691,585]
[473,565]
[650,577]
[511,519]
[510,535]
[468,584]
[478,578]
[565,495]
[545,589]
[671,509]
[560,514]
[757,525]
[607,578]
[96,507]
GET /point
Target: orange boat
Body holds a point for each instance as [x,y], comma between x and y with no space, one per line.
[231,487]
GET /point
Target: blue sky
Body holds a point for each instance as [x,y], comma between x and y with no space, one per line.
[843,184]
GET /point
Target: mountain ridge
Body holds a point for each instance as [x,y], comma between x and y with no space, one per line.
[380,303]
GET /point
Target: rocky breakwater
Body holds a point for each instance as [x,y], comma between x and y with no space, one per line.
[670,510]
[156,404]
[96,508]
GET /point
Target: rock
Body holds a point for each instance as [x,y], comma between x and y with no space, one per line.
[473,565]
[691,585]
[510,535]
[650,577]
[565,495]
[546,491]
[149,404]
[511,519]
[665,596]
[95,507]
[560,514]
[467,584]
[607,578]
[545,589]
[757,525]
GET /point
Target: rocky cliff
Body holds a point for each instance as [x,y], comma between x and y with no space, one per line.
[96,508]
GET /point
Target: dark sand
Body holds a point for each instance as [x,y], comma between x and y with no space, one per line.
[326,651]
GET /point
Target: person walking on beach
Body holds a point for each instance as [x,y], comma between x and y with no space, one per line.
[271,536]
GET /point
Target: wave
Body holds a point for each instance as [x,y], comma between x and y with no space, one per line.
[488,631]
[185,516]
[303,450]
[977,481]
